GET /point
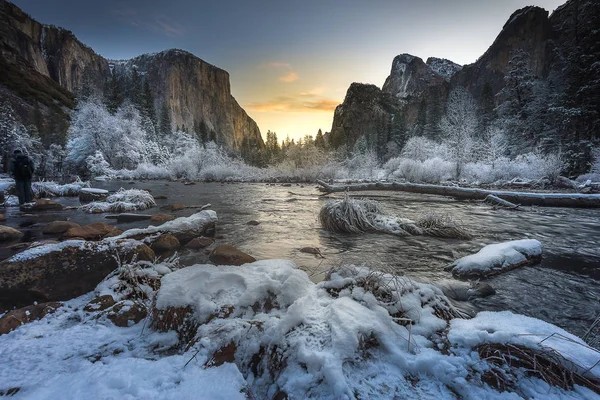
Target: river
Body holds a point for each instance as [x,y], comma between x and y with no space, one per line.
[564,289]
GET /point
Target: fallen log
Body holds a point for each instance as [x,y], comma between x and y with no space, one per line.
[497,201]
[522,198]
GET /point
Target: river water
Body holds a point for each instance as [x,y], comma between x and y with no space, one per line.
[564,289]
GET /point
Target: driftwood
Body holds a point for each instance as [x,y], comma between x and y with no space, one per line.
[497,201]
[522,198]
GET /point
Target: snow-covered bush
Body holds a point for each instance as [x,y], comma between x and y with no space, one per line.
[97,165]
[420,148]
[122,201]
[51,189]
[432,170]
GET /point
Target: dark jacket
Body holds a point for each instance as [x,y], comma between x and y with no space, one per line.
[22,168]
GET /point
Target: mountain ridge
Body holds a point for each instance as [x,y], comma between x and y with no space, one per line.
[41,51]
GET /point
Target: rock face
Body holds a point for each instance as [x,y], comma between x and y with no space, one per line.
[195,91]
[62,271]
[46,65]
[366,110]
[561,56]
[528,29]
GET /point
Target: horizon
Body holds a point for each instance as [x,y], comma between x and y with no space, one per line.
[288,78]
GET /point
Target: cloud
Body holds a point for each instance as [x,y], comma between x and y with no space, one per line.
[169,28]
[313,92]
[153,22]
[294,104]
[290,77]
[275,64]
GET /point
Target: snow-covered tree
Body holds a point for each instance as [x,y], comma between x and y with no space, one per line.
[459,126]
[119,137]
[14,135]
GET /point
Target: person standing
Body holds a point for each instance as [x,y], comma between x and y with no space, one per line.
[22,170]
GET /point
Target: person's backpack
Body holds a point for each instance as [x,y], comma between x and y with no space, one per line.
[24,168]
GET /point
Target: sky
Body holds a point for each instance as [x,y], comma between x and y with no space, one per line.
[290,62]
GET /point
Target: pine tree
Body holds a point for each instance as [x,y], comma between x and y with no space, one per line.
[398,135]
[421,122]
[135,92]
[320,140]
[487,107]
[148,109]
[113,93]
[165,127]
[433,116]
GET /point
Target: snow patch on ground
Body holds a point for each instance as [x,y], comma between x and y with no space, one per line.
[358,334]
[72,354]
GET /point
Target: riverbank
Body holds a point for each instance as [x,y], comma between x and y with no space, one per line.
[333,321]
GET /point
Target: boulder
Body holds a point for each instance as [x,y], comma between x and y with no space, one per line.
[87,195]
[2,217]
[158,219]
[100,303]
[15,318]
[7,233]
[94,231]
[114,233]
[41,205]
[173,207]
[226,254]
[199,243]
[253,223]
[127,313]
[165,244]
[57,227]
[160,197]
[27,223]
[63,271]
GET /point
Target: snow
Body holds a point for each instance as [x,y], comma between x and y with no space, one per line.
[73,355]
[123,200]
[192,225]
[50,188]
[94,191]
[208,288]
[6,183]
[497,257]
[506,327]
[344,338]
[444,68]
[39,251]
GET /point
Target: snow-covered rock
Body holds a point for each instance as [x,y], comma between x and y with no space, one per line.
[497,258]
[444,68]
[265,330]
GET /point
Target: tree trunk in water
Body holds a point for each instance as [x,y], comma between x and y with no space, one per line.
[522,198]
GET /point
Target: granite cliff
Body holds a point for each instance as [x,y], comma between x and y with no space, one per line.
[44,67]
[561,55]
